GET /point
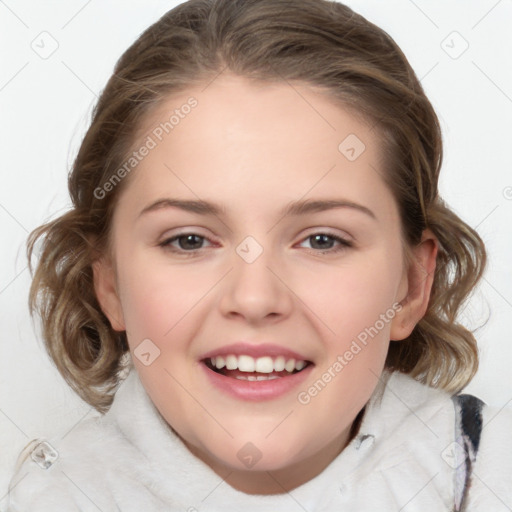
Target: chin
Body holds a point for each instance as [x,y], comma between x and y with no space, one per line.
[240,455]
[257,456]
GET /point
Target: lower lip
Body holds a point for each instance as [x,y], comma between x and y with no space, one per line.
[257,390]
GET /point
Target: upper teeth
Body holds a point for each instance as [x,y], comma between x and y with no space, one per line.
[264,364]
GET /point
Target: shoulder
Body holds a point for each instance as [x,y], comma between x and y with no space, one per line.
[415,429]
[409,425]
[102,463]
[64,474]
[401,403]
[490,487]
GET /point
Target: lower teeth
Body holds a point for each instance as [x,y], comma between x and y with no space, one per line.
[253,377]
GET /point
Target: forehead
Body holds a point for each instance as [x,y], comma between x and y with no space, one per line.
[243,140]
[237,109]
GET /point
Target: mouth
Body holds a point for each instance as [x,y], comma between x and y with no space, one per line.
[270,372]
[244,367]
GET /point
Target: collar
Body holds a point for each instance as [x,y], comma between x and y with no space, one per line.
[398,406]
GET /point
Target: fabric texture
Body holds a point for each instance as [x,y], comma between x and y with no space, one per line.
[468,431]
[408,455]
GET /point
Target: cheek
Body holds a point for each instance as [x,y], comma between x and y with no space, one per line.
[354,308]
[155,297]
[351,296]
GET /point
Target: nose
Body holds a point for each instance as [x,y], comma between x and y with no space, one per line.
[255,290]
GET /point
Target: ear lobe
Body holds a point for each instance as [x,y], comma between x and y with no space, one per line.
[106,293]
[420,277]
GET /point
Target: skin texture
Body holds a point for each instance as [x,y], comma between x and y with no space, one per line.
[253,149]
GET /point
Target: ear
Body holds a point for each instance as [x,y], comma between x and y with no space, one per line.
[106,293]
[417,280]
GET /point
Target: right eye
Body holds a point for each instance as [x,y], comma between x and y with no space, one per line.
[187,242]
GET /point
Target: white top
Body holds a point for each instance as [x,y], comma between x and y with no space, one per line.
[129,460]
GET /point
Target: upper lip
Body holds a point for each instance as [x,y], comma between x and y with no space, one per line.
[255,351]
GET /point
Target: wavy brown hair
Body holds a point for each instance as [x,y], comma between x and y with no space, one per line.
[314,42]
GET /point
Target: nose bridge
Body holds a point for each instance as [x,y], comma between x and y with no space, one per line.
[254,291]
[250,250]
[252,262]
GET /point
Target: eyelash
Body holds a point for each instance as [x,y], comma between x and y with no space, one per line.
[166,244]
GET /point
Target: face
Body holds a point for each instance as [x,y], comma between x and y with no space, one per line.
[269,271]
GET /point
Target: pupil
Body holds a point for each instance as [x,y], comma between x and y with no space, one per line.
[321,237]
[187,239]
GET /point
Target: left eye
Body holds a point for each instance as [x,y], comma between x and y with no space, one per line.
[324,242]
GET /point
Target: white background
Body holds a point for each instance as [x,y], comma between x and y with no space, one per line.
[46,103]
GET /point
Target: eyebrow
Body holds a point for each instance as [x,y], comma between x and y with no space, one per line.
[302,207]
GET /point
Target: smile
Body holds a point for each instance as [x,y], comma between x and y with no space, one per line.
[261,378]
[236,366]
